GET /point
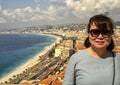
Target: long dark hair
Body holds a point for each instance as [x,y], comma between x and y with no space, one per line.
[102,22]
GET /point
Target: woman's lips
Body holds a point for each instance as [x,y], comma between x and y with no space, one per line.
[100,42]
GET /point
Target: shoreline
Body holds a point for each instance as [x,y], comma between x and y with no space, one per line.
[31,61]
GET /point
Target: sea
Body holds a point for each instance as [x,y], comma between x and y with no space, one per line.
[16,49]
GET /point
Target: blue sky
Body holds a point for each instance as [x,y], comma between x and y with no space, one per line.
[23,13]
[14,4]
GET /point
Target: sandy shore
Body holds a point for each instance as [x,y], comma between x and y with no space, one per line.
[31,61]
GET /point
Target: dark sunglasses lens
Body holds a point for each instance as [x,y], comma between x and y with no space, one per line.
[95,33]
[106,33]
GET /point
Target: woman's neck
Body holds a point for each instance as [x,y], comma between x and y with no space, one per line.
[99,53]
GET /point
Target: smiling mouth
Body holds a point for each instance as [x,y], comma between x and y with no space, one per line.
[100,42]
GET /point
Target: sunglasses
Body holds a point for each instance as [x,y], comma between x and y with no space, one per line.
[97,32]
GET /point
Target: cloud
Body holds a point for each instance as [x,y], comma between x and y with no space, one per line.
[0,8]
[18,14]
[88,8]
[62,11]
[58,2]
[2,20]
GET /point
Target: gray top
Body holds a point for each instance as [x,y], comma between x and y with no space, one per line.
[84,69]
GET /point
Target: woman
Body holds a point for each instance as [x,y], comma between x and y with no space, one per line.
[97,64]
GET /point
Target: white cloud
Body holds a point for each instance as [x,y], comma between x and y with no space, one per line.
[18,14]
[2,20]
[88,8]
[63,10]
[0,8]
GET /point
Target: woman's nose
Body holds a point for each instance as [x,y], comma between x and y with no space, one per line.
[100,36]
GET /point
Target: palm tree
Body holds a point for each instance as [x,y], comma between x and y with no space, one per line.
[6,82]
[10,79]
[14,76]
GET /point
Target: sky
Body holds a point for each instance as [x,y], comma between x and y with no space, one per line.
[23,13]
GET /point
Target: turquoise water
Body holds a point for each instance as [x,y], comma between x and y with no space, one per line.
[16,49]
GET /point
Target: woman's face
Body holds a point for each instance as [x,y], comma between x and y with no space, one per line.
[99,38]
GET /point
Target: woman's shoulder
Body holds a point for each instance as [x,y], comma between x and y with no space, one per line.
[116,54]
[80,55]
[81,52]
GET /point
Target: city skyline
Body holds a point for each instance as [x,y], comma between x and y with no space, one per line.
[22,13]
